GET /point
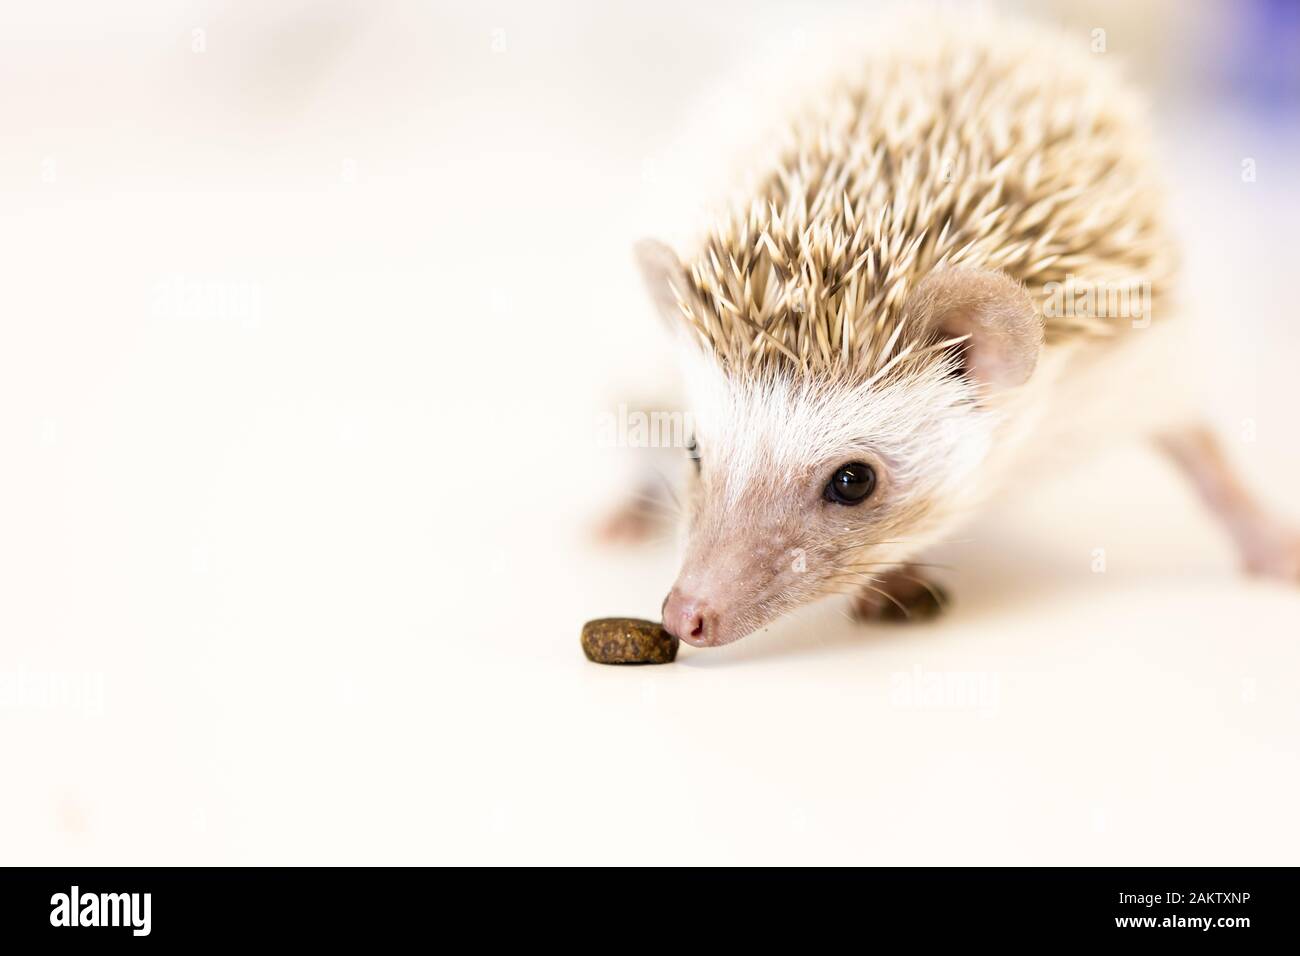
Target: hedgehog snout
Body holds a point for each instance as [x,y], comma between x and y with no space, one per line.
[689,618]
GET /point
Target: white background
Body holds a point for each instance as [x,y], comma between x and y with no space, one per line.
[305,334]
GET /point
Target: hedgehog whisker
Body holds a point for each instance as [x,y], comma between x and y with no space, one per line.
[885,594]
[905,564]
[928,587]
[651,497]
[668,486]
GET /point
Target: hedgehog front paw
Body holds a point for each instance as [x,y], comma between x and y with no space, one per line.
[898,597]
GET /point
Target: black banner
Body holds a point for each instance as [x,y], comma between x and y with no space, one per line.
[1171,907]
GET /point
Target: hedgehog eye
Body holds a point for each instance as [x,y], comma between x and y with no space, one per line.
[851,484]
[693,452]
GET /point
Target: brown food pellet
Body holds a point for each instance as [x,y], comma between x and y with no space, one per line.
[627,640]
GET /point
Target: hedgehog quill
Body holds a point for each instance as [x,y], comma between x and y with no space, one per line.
[954,268]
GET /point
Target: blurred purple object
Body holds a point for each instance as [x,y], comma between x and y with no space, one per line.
[1264,67]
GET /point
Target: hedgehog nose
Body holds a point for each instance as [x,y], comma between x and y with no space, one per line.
[689,619]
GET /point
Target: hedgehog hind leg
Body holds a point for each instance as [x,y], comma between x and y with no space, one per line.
[1269,547]
[899,596]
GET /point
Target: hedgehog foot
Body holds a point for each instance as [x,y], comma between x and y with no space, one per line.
[1268,547]
[899,597]
[1273,552]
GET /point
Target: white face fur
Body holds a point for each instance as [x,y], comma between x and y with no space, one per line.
[767,535]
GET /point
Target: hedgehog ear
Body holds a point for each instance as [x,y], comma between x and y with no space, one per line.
[663,272]
[1005,332]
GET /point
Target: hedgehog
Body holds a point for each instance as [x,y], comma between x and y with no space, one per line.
[953,268]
